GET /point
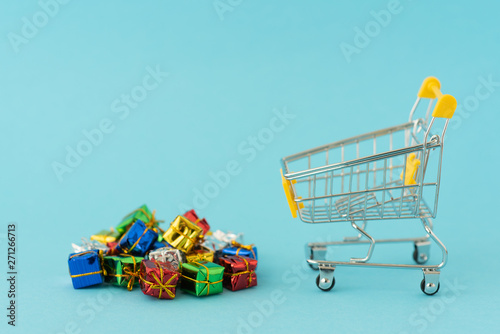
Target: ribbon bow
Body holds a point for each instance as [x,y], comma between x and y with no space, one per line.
[129,275]
[197,257]
[240,247]
[152,222]
[159,282]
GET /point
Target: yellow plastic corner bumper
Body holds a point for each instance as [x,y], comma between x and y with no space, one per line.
[287,187]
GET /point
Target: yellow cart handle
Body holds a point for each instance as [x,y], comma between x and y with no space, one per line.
[445,105]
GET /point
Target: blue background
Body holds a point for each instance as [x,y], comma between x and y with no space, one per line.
[226,75]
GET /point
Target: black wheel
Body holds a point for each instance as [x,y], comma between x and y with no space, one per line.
[332,284]
[422,287]
[417,258]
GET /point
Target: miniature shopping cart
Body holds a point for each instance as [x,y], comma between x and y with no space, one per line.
[392,173]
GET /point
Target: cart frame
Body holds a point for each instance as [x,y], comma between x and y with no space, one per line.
[397,183]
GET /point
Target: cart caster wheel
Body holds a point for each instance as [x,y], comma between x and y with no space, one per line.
[420,256]
[325,286]
[422,287]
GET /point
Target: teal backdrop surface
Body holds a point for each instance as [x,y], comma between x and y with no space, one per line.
[192,104]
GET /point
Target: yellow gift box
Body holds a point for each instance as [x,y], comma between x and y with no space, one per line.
[182,234]
[200,253]
[105,236]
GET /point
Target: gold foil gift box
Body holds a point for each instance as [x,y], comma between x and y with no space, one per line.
[200,253]
[182,234]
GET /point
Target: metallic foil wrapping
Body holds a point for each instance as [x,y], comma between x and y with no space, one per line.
[193,217]
[200,253]
[85,268]
[143,213]
[122,270]
[238,249]
[89,245]
[158,279]
[168,255]
[105,236]
[202,278]
[219,240]
[182,234]
[239,272]
[137,240]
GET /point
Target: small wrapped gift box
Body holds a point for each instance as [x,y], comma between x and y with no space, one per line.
[239,272]
[238,249]
[220,240]
[168,255]
[89,245]
[137,240]
[200,253]
[143,213]
[158,279]
[122,270]
[182,234]
[202,278]
[105,236]
[85,268]
[193,217]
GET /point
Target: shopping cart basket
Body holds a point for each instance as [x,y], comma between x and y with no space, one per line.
[392,173]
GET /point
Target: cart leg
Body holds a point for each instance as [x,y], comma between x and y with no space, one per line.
[430,284]
[428,228]
[372,244]
[356,238]
[325,280]
[315,253]
[422,250]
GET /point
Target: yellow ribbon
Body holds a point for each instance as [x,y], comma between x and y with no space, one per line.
[207,282]
[125,250]
[178,231]
[240,247]
[152,222]
[160,285]
[99,254]
[197,257]
[130,275]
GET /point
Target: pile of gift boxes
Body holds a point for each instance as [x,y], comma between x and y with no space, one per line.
[187,255]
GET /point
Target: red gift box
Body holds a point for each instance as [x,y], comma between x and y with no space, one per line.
[193,217]
[112,249]
[239,272]
[158,279]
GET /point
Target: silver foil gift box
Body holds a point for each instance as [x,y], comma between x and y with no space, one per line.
[168,254]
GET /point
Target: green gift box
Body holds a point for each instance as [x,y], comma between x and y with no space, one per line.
[122,270]
[202,278]
[143,213]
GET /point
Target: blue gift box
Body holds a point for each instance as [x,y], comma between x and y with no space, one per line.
[232,251]
[138,239]
[85,269]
